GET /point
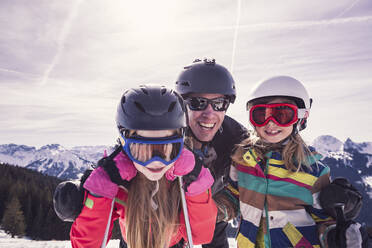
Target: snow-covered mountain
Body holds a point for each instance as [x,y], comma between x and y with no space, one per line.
[353,161]
[54,159]
[346,159]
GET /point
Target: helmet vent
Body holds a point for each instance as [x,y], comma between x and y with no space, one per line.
[171,106]
[123,100]
[139,106]
[144,90]
[209,61]
[163,91]
[185,83]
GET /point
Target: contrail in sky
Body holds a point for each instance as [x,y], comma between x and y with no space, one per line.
[15,72]
[61,40]
[235,36]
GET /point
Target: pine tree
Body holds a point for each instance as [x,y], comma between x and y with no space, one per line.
[34,193]
[13,220]
[38,223]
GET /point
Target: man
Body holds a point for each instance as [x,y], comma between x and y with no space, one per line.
[208,89]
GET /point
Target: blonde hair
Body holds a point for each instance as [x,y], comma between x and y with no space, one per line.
[294,150]
[147,227]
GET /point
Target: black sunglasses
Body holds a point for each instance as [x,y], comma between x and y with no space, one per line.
[201,103]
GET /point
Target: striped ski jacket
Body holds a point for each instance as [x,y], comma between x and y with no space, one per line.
[279,208]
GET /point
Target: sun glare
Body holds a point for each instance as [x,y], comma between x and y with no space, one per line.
[149,17]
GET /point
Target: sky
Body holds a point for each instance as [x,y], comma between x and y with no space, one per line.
[65,64]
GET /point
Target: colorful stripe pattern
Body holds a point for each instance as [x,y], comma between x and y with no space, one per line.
[279,208]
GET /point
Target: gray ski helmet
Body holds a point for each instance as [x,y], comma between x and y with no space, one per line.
[206,77]
[150,107]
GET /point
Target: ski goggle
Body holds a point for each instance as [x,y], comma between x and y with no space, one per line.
[201,103]
[144,150]
[282,114]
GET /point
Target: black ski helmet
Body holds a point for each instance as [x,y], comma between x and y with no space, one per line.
[206,77]
[150,107]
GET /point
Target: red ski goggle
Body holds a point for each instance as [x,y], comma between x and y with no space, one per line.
[282,114]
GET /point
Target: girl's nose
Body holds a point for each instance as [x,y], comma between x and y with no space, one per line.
[268,113]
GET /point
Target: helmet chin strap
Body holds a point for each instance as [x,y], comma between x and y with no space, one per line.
[296,128]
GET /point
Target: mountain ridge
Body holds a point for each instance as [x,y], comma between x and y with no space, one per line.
[352,160]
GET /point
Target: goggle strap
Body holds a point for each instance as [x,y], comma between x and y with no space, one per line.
[154,142]
[301,113]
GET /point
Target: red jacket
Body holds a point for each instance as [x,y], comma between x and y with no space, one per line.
[89,227]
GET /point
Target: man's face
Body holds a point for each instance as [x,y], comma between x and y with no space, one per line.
[205,123]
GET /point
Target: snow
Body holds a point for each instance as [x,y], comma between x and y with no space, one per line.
[340,155]
[326,144]
[368,181]
[6,241]
[52,159]
[363,147]
[369,162]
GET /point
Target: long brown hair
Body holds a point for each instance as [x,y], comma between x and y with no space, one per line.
[146,226]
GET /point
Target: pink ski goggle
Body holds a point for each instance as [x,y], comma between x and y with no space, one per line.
[282,114]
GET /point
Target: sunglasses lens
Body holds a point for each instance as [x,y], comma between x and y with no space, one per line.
[197,103]
[220,104]
[200,103]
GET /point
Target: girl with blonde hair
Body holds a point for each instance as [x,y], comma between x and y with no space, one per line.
[276,177]
[136,184]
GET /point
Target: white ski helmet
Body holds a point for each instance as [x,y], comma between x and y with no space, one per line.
[284,86]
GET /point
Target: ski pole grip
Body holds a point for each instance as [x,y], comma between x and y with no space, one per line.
[340,222]
[340,216]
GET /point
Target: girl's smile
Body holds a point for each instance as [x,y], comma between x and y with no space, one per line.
[272,133]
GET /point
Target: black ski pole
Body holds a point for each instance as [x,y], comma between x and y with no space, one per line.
[340,223]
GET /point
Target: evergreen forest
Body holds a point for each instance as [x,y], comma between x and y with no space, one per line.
[26,205]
